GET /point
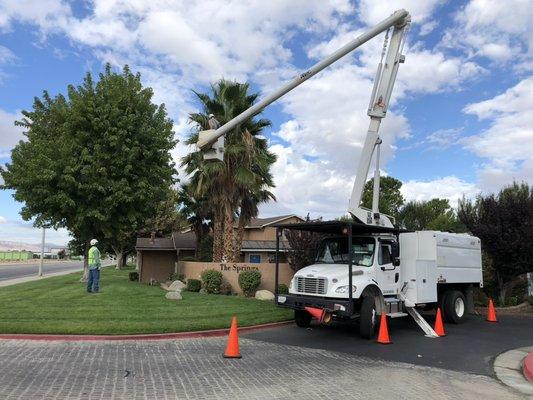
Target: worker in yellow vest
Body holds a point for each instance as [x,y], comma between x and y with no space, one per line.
[93,284]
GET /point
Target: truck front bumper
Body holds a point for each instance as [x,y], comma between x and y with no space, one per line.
[339,307]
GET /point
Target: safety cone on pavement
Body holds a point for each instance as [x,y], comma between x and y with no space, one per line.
[232,348]
[383,335]
[318,313]
[491,315]
[439,326]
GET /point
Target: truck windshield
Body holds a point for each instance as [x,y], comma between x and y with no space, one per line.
[335,251]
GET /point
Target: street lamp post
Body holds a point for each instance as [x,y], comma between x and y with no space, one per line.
[42,253]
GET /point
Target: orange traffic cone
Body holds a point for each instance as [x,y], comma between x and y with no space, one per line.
[491,315]
[232,349]
[318,313]
[439,326]
[383,335]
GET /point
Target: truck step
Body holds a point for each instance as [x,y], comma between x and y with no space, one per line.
[397,314]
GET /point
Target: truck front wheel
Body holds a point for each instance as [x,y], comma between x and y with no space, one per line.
[302,318]
[454,303]
[368,318]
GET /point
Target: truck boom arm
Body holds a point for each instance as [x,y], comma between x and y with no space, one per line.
[381,93]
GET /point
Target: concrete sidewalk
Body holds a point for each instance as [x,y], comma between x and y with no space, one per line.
[195,369]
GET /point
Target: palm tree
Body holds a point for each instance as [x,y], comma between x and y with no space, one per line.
[246,165]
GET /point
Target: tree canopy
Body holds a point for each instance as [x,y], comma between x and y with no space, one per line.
[390,197]
[237,184]
[504,223]
[435,214]
[96,161]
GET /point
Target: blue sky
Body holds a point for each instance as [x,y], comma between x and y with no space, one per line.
[460,122]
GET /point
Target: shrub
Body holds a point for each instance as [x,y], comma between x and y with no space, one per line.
[225,288]
[283,289]
[134,276]
[193,285]
[188,258]
[211,280]
[530,300]
[173,276]
[249,281]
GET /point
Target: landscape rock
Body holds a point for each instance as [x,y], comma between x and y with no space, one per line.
[176,285]
[264,295]
[173,296]
[202,291]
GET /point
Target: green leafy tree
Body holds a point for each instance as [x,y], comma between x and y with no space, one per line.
[504,223]
[96,161]
[245,170]
[435,214]
[390,197]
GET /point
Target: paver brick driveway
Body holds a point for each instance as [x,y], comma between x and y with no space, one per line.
[195,369]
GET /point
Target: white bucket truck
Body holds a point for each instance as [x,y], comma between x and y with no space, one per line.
[367,267]
[391,271]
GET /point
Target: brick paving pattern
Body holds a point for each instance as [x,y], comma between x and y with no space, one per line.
[195,369]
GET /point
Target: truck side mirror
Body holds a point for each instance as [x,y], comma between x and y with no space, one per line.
[395,254]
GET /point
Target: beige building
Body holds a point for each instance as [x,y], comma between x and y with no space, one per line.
[158,258]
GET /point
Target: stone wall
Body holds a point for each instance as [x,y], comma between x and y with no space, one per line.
[230,271]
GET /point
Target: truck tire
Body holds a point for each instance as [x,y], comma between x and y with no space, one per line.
[368,319]
[302,318]
[455,307]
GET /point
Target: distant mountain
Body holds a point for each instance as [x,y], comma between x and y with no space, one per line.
[34,247]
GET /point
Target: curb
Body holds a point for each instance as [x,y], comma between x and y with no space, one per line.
[527,367]
[149,336]
[510,368]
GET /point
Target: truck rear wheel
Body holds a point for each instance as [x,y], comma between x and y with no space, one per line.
[368,318]
[454,308]
[302,318]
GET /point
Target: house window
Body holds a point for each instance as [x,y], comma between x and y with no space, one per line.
[255,258]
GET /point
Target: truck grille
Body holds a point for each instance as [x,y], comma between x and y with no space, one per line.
[311,285]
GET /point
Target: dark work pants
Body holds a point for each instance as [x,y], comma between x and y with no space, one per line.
[93,284]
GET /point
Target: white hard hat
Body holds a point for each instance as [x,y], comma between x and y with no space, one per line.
[211,115]
[93,242]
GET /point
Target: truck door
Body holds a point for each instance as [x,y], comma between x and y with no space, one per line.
[387,274]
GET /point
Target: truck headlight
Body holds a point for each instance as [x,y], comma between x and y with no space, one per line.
[344,289]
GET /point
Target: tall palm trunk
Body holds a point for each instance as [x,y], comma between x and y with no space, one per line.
[238,238]
[217,237]
[228,233]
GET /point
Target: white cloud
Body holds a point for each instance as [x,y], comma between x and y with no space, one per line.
[303,186]
[510,136]
[449,187]
[9,133]
[20,233]
[507,144]
[444,138]
[47,14]
[497,30]
[372,12]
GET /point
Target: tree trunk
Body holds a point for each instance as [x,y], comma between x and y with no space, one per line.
[119,255]
[217,237]
[85,274]
[238,240]
[228,234]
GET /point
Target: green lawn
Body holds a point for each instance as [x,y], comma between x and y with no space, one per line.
[61,305]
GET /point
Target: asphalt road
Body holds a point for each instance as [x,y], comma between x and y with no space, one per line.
[24,270]
[469,347]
